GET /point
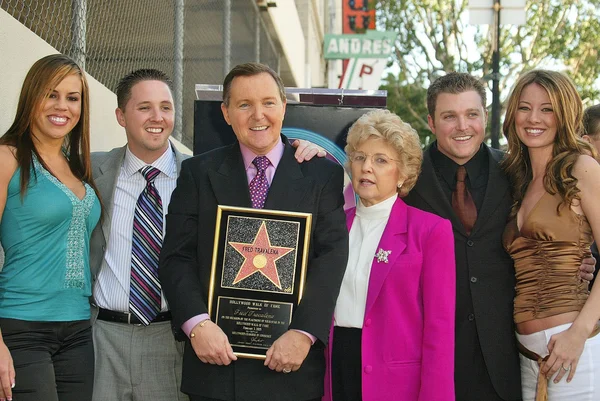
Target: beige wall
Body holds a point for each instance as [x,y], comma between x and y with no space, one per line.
[19,49]
[287,31]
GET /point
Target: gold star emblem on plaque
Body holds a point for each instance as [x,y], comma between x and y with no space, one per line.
[260,257]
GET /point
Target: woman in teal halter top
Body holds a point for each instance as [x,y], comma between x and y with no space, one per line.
[48,209]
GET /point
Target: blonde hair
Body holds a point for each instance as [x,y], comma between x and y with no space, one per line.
[400,135]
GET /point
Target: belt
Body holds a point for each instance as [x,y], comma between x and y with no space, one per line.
[122,317]
[541,393]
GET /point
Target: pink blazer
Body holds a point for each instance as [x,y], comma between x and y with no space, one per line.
[408,328]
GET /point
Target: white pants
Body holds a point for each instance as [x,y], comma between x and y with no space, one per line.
[585,385]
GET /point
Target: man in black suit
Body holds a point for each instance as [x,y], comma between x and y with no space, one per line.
[254,105]
[486,362]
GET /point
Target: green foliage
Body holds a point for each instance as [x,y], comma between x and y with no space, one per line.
[409,100]
[434,37]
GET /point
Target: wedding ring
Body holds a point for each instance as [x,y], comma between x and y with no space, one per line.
[286,370]
[567,368]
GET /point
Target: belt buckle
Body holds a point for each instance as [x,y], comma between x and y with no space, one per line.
[129,320]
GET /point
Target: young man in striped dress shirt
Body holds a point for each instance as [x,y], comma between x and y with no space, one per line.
[133,361]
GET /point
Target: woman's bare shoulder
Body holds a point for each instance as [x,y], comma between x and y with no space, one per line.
[586,167]
[8,161]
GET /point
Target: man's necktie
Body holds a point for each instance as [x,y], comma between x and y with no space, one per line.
[144,293]
[462,202]
[259,186]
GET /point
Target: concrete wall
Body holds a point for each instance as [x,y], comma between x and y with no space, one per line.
[335,67]
[314,47]
[19,49]
[287,30]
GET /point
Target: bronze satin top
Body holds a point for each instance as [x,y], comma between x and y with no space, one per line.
[547,254]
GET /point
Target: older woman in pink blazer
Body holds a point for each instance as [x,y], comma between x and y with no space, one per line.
[393,332]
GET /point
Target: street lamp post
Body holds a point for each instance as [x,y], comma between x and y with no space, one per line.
[496,78]
[489,12]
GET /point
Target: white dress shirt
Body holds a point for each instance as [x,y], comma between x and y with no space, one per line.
[112,286]
[365,234]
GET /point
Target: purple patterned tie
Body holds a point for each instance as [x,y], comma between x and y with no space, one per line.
[144,292]
[259,186]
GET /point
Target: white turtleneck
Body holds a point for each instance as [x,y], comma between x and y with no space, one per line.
[365,234]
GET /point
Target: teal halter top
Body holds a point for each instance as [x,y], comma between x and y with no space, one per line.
[46,240]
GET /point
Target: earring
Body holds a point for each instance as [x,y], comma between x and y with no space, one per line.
[399,185]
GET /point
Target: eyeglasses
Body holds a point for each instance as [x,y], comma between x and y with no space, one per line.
[378,159]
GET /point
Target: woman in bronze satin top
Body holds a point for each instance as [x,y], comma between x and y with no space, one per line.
[555,217]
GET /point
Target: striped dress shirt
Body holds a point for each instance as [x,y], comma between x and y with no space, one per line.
[112,286]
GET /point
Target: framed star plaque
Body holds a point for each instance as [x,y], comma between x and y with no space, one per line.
[258,275]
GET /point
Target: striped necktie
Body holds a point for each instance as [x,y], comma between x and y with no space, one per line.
[144,292]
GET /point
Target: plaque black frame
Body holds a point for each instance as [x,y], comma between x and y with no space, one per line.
[254,337]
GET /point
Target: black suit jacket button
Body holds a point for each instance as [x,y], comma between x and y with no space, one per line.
[471,317]
[470,243]
[473,279]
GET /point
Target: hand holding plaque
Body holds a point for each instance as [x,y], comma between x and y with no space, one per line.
[257,277]
[288,352]
[211,345]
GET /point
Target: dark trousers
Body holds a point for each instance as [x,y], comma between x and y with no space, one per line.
[54,361]
[197,398]
[346,375]
[476,385]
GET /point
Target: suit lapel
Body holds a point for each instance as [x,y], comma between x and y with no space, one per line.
[390,241]
[350,215]
[287,191]
[179,158]
[496,189]
[430,190]
[289,184]
[229,182]
[106,183]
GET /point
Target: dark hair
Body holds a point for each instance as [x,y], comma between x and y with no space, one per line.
[591,121]
[454,83]
[249,70]
[568,146]
[134,77]
[43,76]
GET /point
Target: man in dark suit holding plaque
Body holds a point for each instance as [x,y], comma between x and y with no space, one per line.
[258,171]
